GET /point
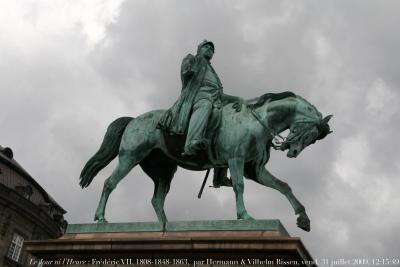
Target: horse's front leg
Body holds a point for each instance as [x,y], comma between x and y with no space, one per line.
[267,179]
[236,166]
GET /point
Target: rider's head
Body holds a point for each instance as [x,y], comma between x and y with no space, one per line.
[206,49]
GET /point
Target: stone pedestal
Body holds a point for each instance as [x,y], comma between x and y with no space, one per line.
[200,243]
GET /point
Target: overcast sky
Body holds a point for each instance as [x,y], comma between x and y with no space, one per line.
[68,68]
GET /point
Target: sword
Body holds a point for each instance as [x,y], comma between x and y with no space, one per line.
[204,183]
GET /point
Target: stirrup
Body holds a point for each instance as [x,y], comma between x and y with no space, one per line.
[225,181]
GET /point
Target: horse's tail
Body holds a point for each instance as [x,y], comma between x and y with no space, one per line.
[107,151]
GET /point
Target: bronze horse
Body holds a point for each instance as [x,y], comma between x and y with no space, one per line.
[242,143]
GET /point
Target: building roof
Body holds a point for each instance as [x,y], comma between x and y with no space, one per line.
[7,157]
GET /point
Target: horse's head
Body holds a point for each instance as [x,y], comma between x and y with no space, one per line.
[308,126]
[303,134]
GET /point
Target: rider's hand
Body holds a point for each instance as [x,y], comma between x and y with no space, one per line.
[237,105]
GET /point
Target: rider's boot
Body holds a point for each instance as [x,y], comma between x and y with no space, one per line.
[220,178]
[194,147]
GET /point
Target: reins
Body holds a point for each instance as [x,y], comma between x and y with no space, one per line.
[277,139]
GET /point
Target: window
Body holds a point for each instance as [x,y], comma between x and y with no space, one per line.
[15,247]
[25,190]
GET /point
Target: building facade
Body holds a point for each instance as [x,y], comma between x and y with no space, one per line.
[27,212]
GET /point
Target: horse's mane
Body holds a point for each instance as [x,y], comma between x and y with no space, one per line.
[259,101]
[314,109]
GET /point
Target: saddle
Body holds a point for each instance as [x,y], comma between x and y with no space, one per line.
[176,143]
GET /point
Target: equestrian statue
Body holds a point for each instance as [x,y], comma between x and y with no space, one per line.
[207,129]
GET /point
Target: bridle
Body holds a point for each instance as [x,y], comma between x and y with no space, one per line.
[278,140]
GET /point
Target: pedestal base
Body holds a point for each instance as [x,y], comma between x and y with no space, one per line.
[206,243]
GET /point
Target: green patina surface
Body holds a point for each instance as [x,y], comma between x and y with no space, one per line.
[207,129]
[220,225]
[114,227]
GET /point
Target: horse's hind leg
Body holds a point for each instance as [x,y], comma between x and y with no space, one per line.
[161,170]
[127,160]
[265,178]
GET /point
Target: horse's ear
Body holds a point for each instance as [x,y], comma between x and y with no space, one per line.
[323,127]
[327,118]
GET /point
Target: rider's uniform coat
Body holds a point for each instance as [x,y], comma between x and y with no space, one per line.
[195,75]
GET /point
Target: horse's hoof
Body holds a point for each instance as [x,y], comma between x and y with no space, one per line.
[100,219]
[303,223]
[245,217]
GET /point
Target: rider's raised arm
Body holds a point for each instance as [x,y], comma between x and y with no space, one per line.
[187,68]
